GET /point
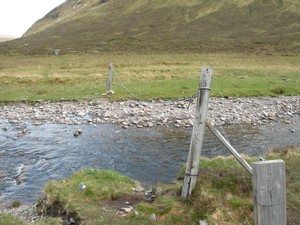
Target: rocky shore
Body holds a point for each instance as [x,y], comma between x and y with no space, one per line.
[256,111]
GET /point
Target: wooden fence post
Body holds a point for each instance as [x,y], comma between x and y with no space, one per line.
[192,167]
[229,147]
[269,192]
[109,78]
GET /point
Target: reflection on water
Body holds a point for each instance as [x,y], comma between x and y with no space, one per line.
[30,156]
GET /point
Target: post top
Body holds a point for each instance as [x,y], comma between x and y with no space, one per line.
[268,162]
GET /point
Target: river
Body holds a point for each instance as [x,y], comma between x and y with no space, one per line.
[31,156]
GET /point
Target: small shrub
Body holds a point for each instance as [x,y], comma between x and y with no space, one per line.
[279,90]
[15,204]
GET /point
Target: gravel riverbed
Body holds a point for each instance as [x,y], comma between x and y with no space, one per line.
[256,111]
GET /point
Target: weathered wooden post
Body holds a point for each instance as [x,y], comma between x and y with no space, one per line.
[229,147]
[109,78]
[192,167]
[269,192]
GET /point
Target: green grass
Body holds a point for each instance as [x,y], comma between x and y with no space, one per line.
[147,76]
[65,198]
[9,219]
[223,195]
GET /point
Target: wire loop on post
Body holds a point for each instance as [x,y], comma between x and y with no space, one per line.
[205,88]
[191,175]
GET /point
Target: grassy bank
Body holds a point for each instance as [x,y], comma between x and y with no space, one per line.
[223,195]
[149,76]
[7,219]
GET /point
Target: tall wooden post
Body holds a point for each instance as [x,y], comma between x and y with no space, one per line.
[269,192]
[109,77]
[192,167]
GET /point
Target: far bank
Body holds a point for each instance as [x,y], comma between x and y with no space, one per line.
[146,76]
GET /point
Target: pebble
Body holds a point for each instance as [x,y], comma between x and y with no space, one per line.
[153,217]
[82,186]
[2,175]
[128,209]
[139,188]
[72,221]
[139,114]
[76,134]
[159,191]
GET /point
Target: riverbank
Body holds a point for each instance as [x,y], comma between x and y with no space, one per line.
[87,197]
[222,111]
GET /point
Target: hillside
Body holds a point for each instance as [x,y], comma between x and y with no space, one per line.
[165,26]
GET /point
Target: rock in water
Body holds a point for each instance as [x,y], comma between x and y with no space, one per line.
[78,132]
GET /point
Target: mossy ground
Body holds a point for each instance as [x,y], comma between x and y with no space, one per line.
[223,195]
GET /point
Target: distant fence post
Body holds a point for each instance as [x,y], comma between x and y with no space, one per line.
[269,192]
[109,78]
[192,167]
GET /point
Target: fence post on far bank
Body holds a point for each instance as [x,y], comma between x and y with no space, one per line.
[109,78]
[192,166]
[269,192]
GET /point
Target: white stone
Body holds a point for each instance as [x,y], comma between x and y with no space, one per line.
[153,217]
[128,209]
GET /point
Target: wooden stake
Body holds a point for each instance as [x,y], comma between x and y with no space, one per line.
[109,78]
[192,167]
[229,147]
[269,192]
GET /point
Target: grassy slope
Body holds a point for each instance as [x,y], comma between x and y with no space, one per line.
[165,26]
[223,195]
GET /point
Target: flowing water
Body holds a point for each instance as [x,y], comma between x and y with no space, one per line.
[30,156]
